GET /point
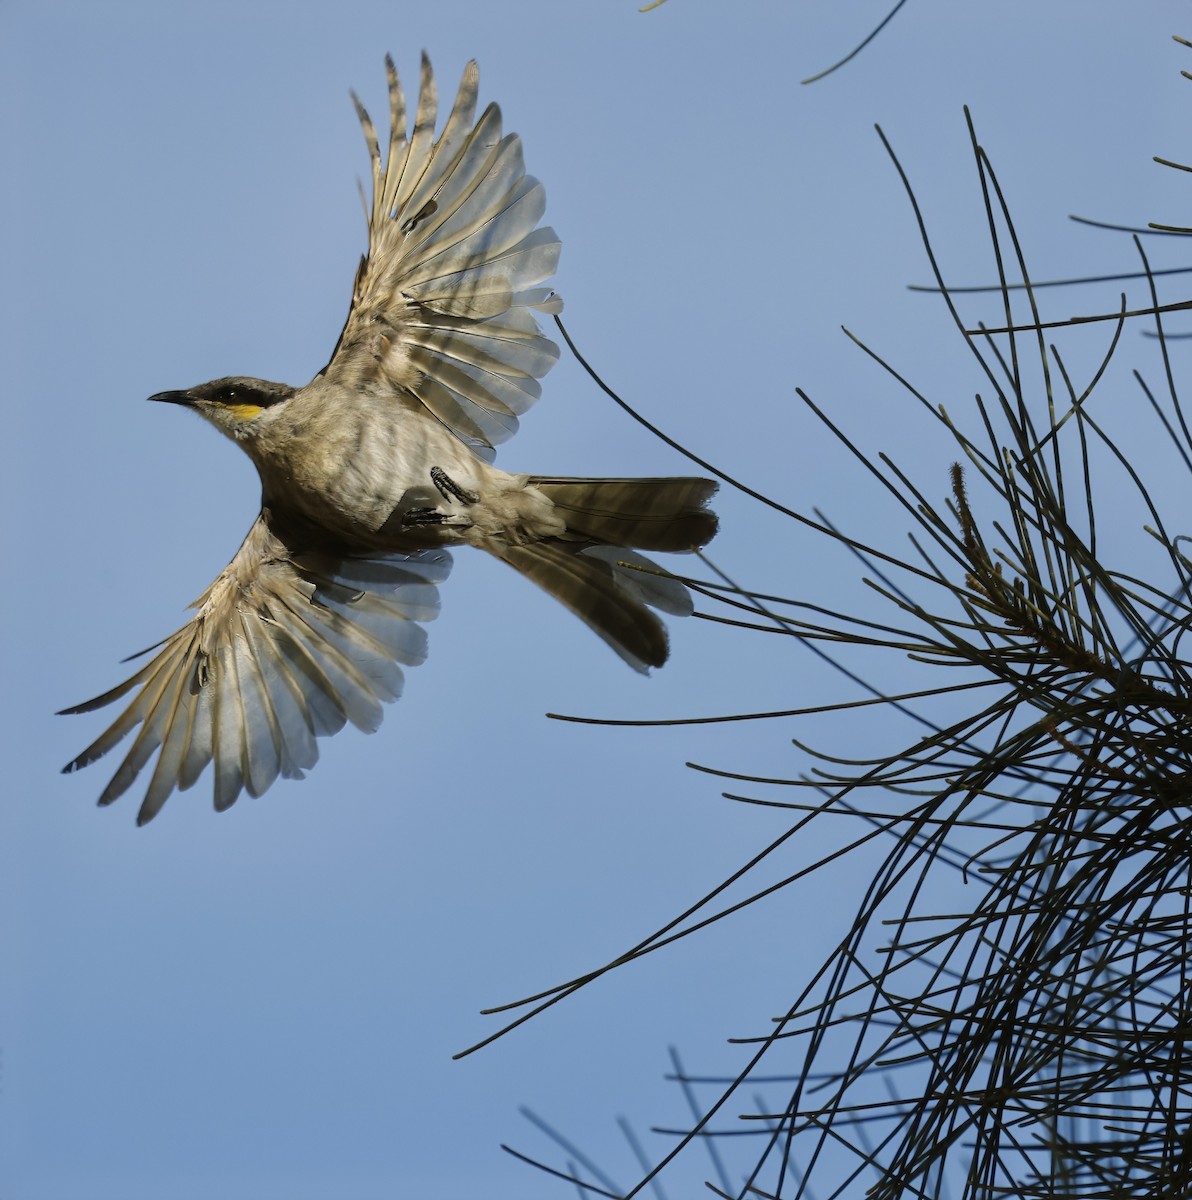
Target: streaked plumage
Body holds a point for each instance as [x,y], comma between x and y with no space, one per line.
[381,462]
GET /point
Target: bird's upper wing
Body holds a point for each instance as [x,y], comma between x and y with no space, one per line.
[284,647]
[441,309]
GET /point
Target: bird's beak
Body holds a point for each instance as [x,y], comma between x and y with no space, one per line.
[174,398]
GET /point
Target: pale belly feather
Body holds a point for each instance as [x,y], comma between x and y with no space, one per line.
[368,479]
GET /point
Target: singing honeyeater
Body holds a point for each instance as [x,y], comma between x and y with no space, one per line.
[381,462]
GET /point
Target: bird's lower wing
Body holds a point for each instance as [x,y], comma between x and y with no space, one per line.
[284,648]
[441,310]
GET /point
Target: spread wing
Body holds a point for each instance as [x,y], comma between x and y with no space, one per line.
[284,648]
[441,310]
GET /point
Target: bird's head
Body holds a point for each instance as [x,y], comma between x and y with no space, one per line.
[235,405]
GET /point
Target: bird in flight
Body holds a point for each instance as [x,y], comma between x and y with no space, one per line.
[382,462]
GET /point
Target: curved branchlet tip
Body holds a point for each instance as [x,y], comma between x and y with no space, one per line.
[858,48]
[1167,162]
[1113,227]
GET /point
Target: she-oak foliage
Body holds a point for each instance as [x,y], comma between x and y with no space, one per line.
[1037,1040]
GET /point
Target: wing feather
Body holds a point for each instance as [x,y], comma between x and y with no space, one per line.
[295,727]
[475,204]
[322,707]
[174,747]
[455,139]
[132,715]
[199,747]
[442,309]
[471,243]
[396,160]
[521,361]
[283,648]
[228,728]
[152,709]
[486,159]
[262,741]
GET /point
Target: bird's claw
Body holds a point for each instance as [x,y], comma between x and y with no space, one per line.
[449,489]
[423,516]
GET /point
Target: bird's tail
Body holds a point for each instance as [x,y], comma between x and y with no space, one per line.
[593,568]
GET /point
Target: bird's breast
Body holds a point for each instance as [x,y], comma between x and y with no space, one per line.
[356,474]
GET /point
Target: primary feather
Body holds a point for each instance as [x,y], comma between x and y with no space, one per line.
[441,306]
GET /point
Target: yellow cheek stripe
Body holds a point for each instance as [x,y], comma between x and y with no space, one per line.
[245,412]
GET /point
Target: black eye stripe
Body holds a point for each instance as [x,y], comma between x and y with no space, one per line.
[236,391]
[243,395]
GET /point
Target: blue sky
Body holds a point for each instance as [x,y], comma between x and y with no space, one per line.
[264,1003]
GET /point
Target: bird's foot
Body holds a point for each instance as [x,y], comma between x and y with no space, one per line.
[424,516]
[448,488]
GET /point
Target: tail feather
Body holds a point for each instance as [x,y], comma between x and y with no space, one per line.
[648,514]
[591,567]
[590,587]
